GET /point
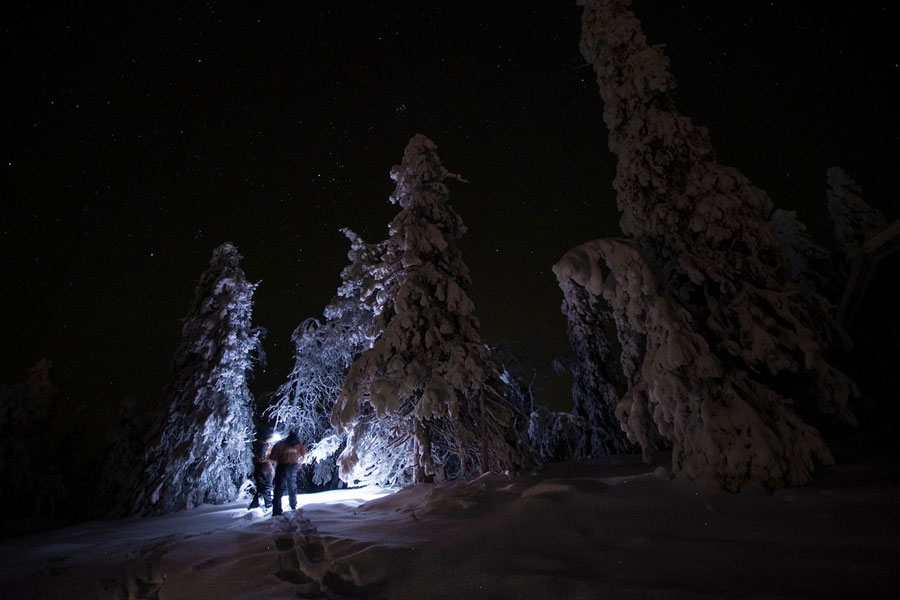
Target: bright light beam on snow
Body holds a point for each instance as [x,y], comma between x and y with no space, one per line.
[352,496]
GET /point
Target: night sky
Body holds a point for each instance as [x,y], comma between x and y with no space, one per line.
[138,138]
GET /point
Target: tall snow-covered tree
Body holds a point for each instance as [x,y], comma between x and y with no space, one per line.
[425,401]
[323,352]
[199,451]
[723,356]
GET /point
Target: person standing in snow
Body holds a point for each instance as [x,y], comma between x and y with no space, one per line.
[263,469]
[286,455]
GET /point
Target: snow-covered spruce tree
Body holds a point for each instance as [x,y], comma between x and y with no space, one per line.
[353,307]
[322,355]
[721,353]
[199,451]
[425,401]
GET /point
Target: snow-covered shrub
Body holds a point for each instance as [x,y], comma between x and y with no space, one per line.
[853,219]
[523,371]
[199,450]
[808,264]
[320,469]
[423,402]
[721,353]
[561,436]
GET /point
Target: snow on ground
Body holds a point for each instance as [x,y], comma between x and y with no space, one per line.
[613,528]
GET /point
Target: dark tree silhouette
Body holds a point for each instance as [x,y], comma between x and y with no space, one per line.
[121,462]
[722,354]
[32,480]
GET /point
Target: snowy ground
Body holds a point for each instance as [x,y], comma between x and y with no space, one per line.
[610,529]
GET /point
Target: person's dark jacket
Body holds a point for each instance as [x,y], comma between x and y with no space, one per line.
[288,451]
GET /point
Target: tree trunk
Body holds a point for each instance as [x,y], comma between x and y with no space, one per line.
[424,462]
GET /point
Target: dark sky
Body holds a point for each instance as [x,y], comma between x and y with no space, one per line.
[139,136]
